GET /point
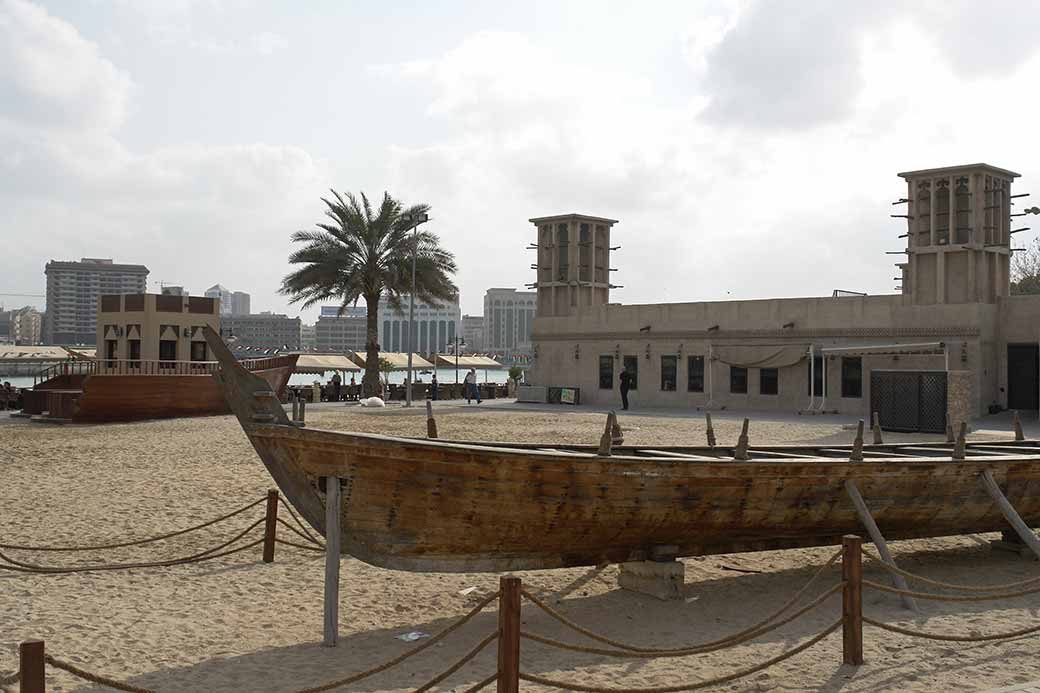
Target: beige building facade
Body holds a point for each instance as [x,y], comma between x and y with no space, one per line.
[136,328]
[952,343]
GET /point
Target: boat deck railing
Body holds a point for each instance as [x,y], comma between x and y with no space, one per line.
[149,367]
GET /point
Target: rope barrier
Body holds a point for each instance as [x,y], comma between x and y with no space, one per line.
[709,647]
[206,555]
[305,547]
[948,585]
[459,664]
[949,597]
[402,657]
[951,638]
[661,650]
[481,685]
[301,523]
[567,686]
[138,542]
[95,678]
[300,534]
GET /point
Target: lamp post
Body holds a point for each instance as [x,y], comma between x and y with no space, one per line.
[414,220]
[459,341]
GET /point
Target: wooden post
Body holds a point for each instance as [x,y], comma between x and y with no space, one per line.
[852,600]
[31,666]
[877,430]
[431,423]
[1017,423]
[867,520]
[1010,514]
[741,451]
[509,634]
[709,431]
[303,409]
[857,445]
[959,446]
[332,559]
[270,525]
[605,440]
[617,436]
[295,407]
[949,430]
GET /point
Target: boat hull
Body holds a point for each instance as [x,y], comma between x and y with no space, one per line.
[428,506]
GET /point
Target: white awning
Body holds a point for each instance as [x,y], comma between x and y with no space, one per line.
[320,363]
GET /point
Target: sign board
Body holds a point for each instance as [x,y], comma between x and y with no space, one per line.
[568,395]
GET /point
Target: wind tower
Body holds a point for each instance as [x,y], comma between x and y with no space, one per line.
[573,263]
[959,228]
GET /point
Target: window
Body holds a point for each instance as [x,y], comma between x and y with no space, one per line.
[695,374]
[669,368]
[814,372]
[167,352]
[134,355]
[851,376]
[631,364]
[737,380]
[768,381]
[198,351]
[111,348]
[606,372]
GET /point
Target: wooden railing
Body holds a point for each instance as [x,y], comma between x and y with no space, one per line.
[150,367]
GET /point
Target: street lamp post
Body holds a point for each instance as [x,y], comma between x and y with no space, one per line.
[414,220]
[459,341]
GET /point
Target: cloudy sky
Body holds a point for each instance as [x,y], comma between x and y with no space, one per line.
[749,149]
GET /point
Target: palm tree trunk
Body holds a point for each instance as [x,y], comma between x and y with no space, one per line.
[370,381]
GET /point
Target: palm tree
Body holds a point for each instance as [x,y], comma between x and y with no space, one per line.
[366,254]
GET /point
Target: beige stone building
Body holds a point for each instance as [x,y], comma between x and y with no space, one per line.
[952,343]
[135,328]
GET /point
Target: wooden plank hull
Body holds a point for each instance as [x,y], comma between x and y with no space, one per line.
[426,505]
[111,398]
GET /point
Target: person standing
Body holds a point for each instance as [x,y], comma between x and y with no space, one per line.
[472,391]
[626,382]
[337,382]
[433,386]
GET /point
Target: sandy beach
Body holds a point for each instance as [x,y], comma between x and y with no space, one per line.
[237,624]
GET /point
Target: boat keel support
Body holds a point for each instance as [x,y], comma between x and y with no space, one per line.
[867,520]
[662,579]
[333,513]
[1010,514]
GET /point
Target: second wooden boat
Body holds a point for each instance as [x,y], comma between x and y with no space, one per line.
[429,505]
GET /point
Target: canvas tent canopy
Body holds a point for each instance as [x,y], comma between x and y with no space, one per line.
[478,362]
[320,363]
[36,354]
[760,356]
[398,360]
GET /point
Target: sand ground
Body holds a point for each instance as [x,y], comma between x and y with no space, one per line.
[237,624]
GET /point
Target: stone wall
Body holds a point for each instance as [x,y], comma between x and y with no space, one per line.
[959,397]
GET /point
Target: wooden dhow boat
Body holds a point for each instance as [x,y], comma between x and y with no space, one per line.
[435,505]
[107,390]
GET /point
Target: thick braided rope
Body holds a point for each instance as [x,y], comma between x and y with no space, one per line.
[402,657]
[95,678]
[300,534]
[567,686]
[951,638]
[101,547]
[948,585]
[459,664]
[194,558]
[949,597]
[661,650]
[305,547]
[301,523]
[709,647]
[481,685]
[13,677]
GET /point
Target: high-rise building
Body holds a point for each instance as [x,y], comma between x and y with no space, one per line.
[435,326]
[340,333]
[73,289]
[263,330]
[221,292]
[25,326]
[308,337]
[473,333]
[239,303]
[509,321]
[171,290]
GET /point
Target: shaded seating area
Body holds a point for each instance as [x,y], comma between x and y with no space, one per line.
[320,364]
[399,362]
